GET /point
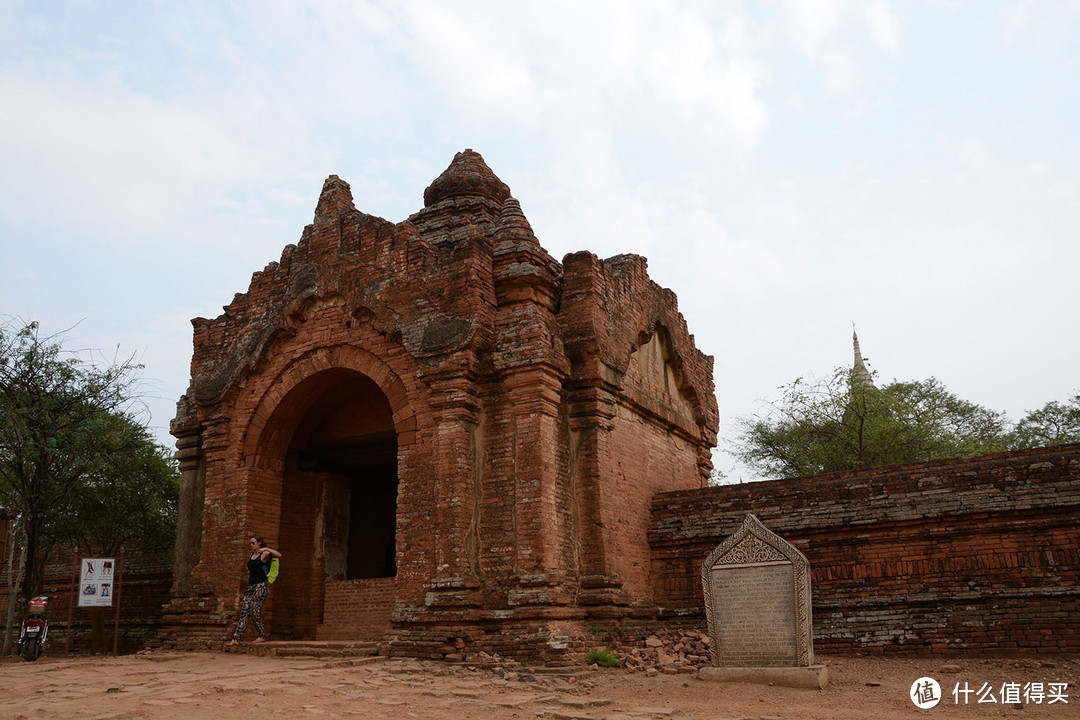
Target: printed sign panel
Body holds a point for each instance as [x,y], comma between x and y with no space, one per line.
[96,582]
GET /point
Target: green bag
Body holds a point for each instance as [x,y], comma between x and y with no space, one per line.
[272,573]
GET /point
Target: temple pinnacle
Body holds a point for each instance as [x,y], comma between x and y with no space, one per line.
[859,368]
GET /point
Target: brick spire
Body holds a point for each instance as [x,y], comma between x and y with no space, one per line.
[468,174]
[335,197]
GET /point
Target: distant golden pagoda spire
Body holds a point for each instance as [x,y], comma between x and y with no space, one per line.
[859,369]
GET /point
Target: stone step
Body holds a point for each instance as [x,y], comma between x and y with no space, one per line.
[308,648]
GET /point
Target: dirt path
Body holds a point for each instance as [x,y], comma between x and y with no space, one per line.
[166,686]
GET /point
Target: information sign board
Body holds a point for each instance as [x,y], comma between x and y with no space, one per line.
[96,582]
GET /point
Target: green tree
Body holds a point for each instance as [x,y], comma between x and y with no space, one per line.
[59,414]
[1055,423]
[846,423]
[126,501]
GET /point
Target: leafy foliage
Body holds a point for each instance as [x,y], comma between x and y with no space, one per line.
[128,500]
[71,448]
[1055,423]
[847,423]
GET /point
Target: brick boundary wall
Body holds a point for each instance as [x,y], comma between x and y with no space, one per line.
[144,589]
[975,555]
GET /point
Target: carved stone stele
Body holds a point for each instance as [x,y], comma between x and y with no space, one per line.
[757,600]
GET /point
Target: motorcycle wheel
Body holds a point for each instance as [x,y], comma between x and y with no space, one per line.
[31,649]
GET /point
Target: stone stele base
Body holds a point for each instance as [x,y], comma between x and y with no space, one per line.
[814,676]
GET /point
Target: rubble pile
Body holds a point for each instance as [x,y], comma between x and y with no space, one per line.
[671,652]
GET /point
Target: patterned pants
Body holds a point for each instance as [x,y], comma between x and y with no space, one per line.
[251,607]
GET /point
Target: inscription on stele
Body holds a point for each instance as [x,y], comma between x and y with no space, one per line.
[757,600]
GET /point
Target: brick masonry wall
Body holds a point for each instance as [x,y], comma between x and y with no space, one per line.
[968,555]
[144,589]
[639,460]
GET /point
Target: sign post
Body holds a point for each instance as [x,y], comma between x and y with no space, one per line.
[116,622]
[71,600]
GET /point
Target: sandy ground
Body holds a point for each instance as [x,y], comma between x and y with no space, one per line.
[165,685]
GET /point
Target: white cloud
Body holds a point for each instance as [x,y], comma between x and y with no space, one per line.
[813,24]
[973,154]
[814,27]
[884,26]
[688,67]
[481,70]
[124,163]
[750,268]
[589,62]
[841,72]
[1014,19]
[822,29]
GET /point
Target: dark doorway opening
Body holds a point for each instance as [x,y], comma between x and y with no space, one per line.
[361,503]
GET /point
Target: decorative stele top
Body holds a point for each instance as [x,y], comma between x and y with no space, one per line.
[757,600]
[468,174]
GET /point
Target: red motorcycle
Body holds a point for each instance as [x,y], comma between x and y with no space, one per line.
[35,628]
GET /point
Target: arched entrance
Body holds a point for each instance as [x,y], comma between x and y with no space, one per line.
[335,455]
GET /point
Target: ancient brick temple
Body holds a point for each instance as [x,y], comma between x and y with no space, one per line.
[447,433]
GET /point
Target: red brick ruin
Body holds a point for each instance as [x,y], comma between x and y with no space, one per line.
[447,433]
[462,445]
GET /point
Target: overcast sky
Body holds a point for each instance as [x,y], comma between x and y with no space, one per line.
[788,168]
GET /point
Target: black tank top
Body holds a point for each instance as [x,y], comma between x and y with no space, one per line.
[256,570]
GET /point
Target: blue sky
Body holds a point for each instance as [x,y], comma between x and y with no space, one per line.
[788,168]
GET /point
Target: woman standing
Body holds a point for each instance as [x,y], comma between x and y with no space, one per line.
[257,590]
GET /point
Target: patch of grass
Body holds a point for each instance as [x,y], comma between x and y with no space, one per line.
[603,658]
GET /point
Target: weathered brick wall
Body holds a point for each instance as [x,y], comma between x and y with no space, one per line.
[143,590]
[965,555]
[357,609]
[639,462]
